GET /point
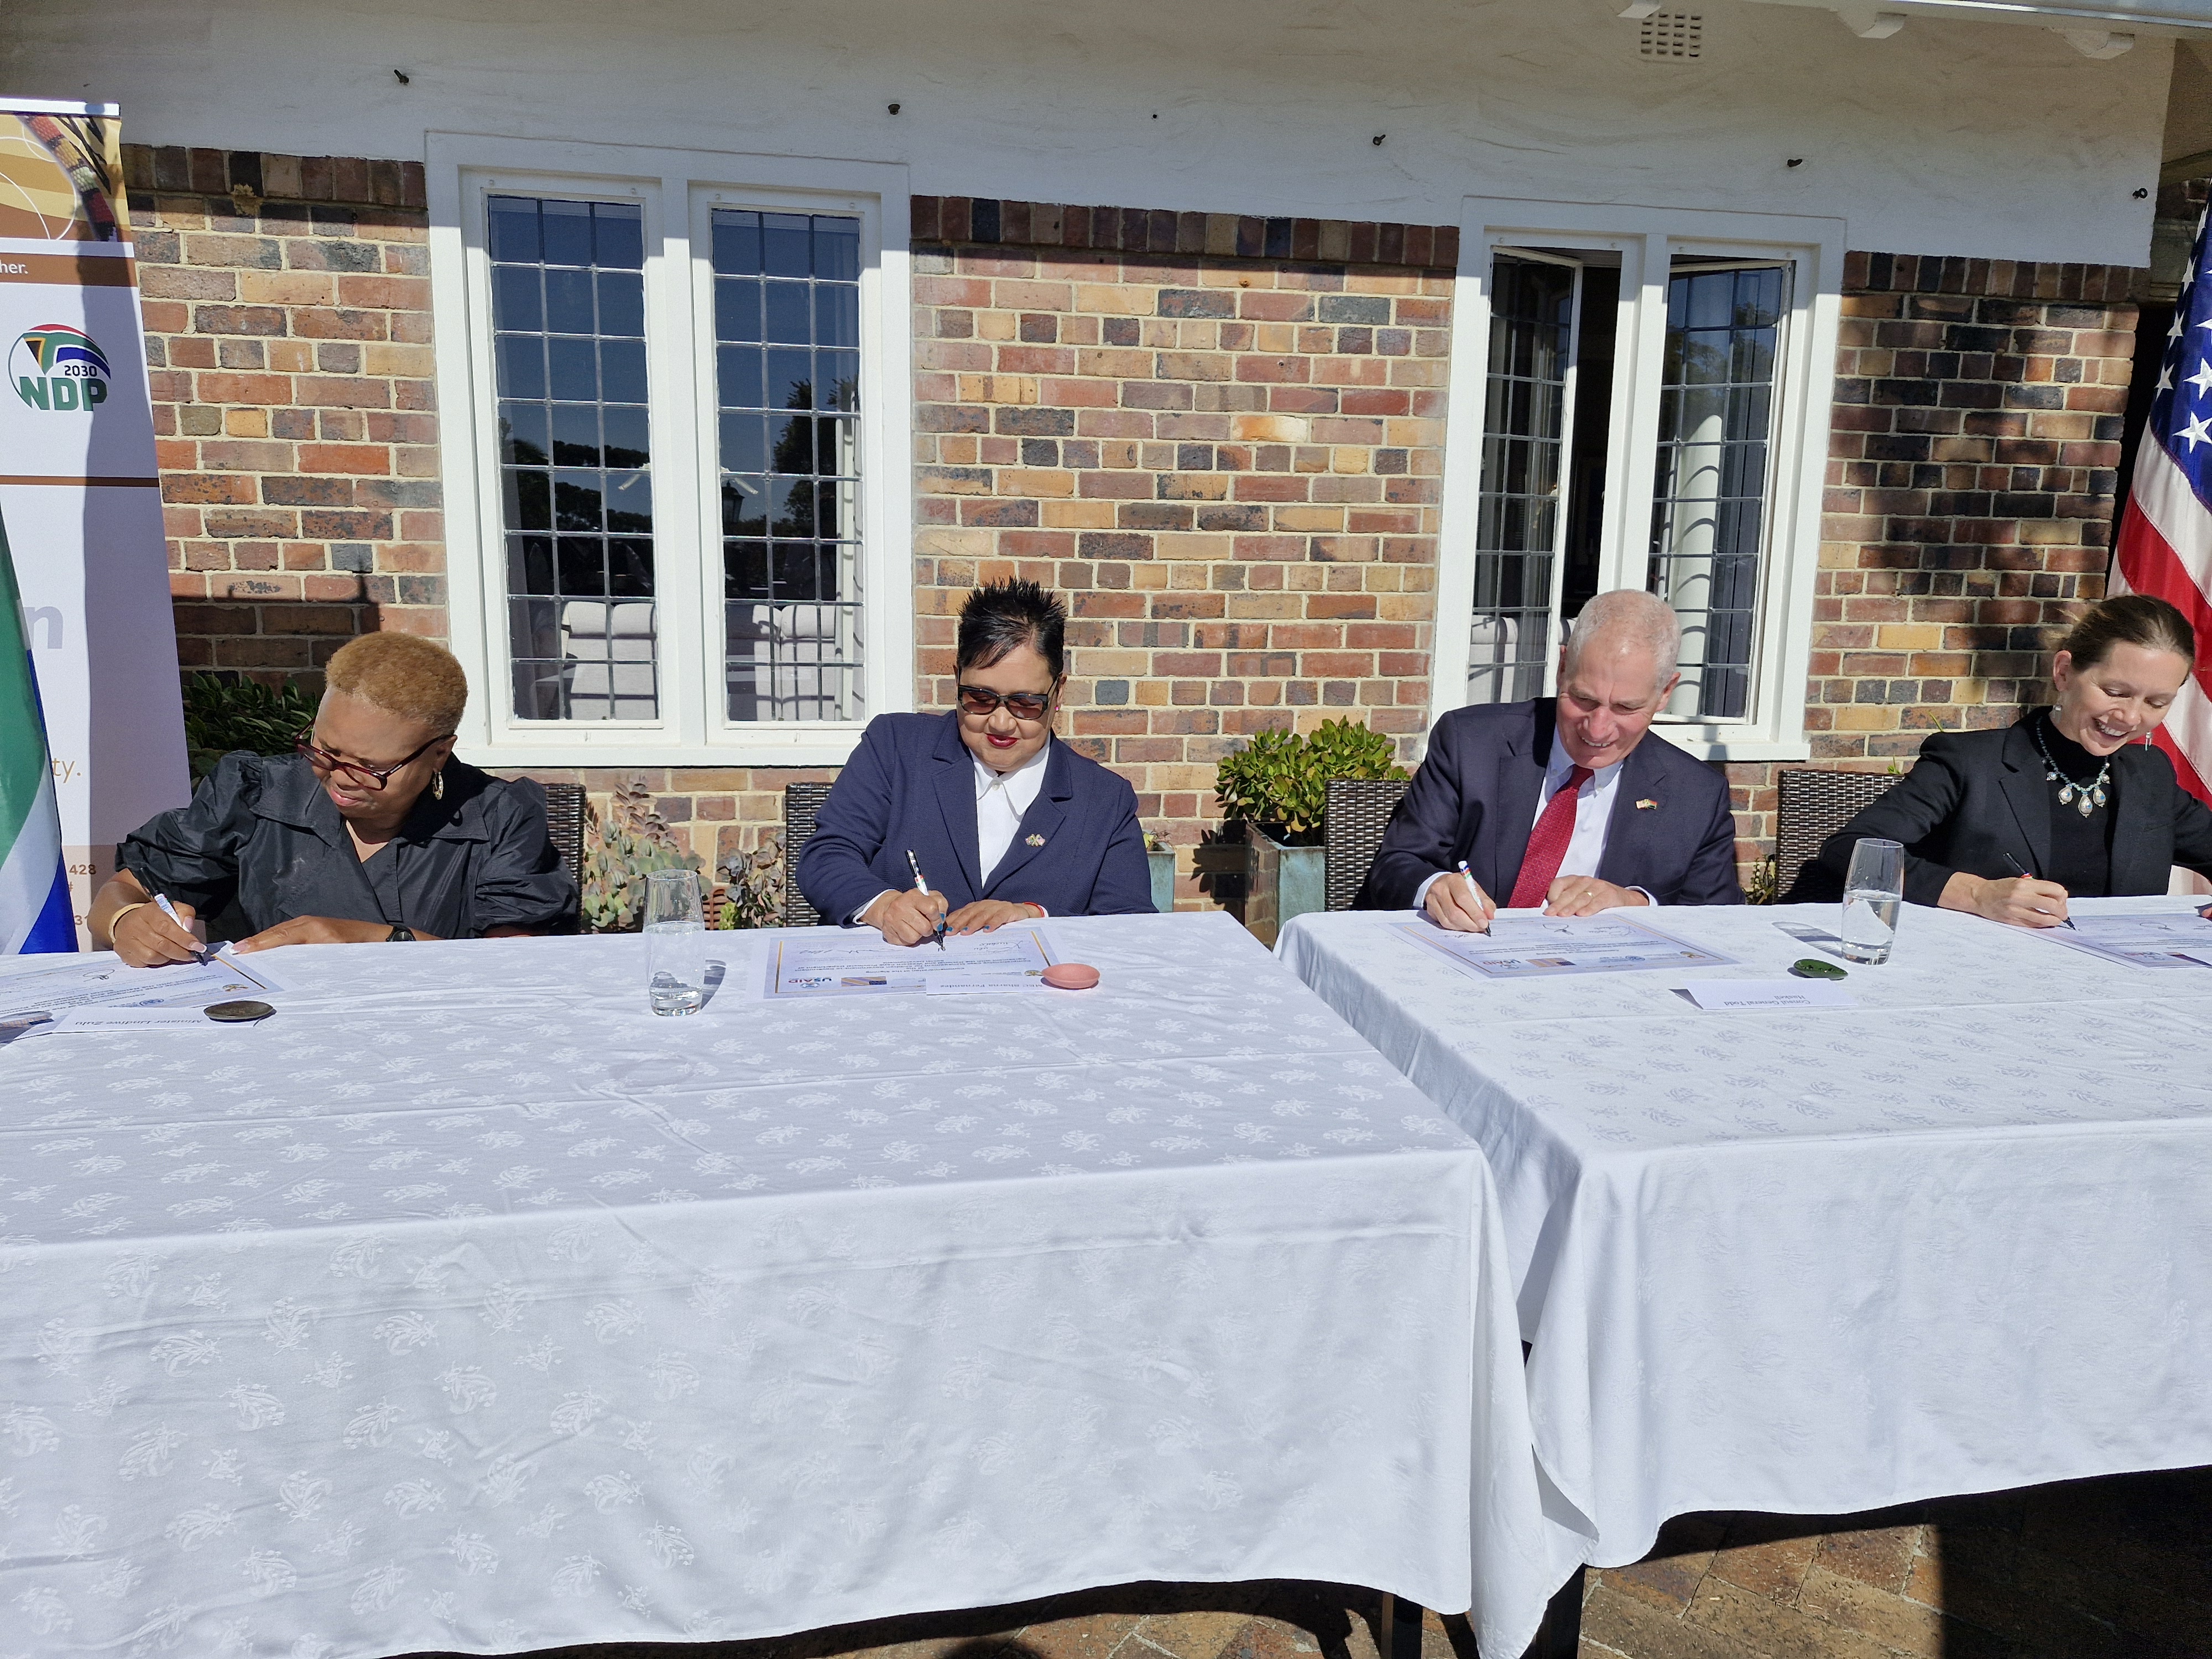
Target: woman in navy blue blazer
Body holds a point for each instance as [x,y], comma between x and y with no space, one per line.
[1002,822]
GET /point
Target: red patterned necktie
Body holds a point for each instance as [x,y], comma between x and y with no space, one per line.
[1547,844]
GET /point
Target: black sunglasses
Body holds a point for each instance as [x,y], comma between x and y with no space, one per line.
[1022,705]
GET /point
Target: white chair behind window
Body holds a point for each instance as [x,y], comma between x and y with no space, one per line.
[607,656]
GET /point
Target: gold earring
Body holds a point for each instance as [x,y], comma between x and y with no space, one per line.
[438,785]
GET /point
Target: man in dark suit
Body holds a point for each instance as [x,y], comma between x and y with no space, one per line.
[1003,820]
[1563,802]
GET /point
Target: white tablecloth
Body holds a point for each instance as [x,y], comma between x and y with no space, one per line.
[465,1305]
[1956,1239]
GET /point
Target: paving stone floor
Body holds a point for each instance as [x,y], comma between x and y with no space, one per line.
[2113,1569]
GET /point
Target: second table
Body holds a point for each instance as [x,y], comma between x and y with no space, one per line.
[1953,1239]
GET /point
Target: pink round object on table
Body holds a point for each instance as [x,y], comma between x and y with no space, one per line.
[1070,976]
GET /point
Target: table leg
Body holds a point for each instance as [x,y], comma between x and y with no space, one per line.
[1386,1628]
[1560,1635]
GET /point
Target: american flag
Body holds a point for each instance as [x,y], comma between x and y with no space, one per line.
[2166,534]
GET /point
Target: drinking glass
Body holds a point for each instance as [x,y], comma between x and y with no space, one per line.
[675,942]
[1874,892]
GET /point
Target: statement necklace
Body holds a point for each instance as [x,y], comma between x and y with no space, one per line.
[2085,797]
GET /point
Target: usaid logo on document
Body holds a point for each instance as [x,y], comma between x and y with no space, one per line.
[59,368]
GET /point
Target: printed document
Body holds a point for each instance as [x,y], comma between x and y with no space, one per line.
[74,982]
[2140,940]
[1539,946]
[857,962]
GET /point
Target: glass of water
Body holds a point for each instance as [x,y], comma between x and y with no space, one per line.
[675,942]
[1874,892]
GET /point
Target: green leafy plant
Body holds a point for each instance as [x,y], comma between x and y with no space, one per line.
[223,714]
[1280,780]
[622,845]
[751,894]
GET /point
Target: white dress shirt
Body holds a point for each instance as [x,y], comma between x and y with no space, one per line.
[1002,799]
[1592,813]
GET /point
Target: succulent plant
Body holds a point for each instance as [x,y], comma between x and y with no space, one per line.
[1280,780]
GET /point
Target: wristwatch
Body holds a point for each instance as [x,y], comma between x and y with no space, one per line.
[399,932]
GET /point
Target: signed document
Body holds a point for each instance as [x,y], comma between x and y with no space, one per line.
[2154,938]
[1528,946]
[857,962]
[74,982]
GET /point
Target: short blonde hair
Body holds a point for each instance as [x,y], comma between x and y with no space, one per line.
[401,674]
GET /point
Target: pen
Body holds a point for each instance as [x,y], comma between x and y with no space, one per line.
[162,902]
[923,883]
[2024,876]
[1474,892]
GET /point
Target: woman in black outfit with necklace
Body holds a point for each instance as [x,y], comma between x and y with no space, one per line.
[2069,802]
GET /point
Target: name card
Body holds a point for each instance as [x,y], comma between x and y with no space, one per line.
[1720,994]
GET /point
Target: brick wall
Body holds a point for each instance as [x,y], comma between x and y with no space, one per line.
[287,307]
[287,322]
[1971,479]
[1219,437]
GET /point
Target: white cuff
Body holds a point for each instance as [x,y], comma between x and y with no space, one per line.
[853,921]
[1421,893]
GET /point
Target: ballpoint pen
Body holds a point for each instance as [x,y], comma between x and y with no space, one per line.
[200,953]
[921,883]
[1474,892]
[2024,876]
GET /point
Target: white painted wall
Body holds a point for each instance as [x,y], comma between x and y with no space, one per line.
[1951,137]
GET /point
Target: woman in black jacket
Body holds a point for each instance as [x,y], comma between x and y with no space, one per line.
[2073,801]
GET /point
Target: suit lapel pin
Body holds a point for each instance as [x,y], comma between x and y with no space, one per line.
[1645,805]
[1034,840]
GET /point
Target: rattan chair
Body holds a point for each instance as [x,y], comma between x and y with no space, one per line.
[564,818]
[1359,811]
[801,801]
[1813,806]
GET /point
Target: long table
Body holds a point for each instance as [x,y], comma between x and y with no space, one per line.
[1957,1238]
[465,1305]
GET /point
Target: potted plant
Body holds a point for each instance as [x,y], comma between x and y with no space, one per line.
[1162,859]
[1276,788]
[627,843]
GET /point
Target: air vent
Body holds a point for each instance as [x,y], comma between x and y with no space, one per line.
[1673,37]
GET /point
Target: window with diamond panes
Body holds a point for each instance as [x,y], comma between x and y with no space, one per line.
[1717,414]
[787,379]
[568,317]
[1532,319]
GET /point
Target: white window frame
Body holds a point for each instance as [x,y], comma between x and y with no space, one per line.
[1648,239]
[678,190]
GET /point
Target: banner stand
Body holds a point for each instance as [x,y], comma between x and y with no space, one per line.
[80,490]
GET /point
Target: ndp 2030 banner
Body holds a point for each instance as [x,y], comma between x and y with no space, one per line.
[79,498]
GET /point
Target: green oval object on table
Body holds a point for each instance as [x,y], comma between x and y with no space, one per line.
[238,1013]
[1813,968]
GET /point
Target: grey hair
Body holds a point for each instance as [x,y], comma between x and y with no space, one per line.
[1640,619]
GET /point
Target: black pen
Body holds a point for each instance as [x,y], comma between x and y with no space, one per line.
[922,883]
[2024,876]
